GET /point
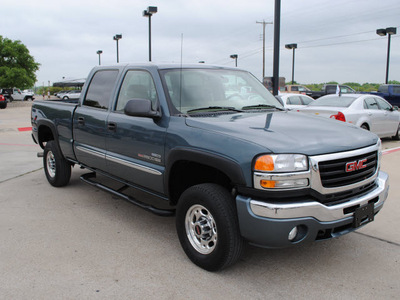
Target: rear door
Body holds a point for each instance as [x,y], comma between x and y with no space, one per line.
[375,115]
[90,117]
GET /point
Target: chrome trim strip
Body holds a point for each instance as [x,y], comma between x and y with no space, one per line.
[91,151]
[317,210]
[133,165]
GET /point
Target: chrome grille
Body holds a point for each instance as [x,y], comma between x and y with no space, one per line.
[333,172]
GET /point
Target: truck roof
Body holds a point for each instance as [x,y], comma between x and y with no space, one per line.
[163,66]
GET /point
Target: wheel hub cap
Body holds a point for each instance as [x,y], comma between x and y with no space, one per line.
[51,164]
[201,229]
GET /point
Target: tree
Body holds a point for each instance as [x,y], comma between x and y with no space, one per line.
[17,66]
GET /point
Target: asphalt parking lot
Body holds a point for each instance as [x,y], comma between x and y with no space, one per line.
[78,242]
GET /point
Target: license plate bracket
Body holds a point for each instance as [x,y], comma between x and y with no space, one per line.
[364,215]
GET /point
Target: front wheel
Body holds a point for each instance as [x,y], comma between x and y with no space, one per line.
[207,227]
[56,167]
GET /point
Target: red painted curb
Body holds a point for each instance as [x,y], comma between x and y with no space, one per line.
[25,129]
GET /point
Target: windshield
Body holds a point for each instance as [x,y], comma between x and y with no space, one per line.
[195,90]
[336,101]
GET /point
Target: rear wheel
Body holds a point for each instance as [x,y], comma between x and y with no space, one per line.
[207,227]
[56,167]
[365,126]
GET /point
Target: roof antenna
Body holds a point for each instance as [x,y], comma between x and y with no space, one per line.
[180,76]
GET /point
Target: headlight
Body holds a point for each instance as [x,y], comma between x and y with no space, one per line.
[281,171]
[281,163]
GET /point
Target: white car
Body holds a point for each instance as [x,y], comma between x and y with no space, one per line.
[71,95]
[294,101]
[369,112]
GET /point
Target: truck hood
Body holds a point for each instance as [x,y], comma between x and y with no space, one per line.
[288,132]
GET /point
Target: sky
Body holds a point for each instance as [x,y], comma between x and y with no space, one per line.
[336,40]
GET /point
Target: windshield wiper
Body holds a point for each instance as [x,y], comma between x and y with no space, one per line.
[213,108]
[262,106]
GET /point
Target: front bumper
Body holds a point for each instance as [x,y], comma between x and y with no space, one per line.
[268,224]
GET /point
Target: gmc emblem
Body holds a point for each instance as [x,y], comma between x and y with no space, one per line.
[356,165]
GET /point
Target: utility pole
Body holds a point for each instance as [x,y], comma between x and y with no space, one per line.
[264,24]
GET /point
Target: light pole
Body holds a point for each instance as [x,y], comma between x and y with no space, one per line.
[117,37]
[235,57]
[292,46]
[277,34]
[382,32]
[99,52]
[148,13]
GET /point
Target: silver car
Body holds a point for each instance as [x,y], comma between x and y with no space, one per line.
[71,95]
[294,101]
[366,111]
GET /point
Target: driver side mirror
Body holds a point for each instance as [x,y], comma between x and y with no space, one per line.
[140,108]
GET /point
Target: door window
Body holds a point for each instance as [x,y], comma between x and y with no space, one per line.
[295,100]
[137,85]
[383,104]
[100,89]
[370,103]
[306,100]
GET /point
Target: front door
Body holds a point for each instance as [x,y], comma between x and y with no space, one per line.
[135,145]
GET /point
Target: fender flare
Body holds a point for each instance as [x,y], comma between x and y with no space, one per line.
[227,166]
[51,126]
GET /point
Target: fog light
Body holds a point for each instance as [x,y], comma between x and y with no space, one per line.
[292,234]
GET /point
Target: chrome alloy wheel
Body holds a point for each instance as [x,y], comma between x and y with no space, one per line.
[201,229]
[51,164]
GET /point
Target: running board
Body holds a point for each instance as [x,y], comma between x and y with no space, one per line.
[87,178]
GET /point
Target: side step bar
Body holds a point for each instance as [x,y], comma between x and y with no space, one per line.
[87,178]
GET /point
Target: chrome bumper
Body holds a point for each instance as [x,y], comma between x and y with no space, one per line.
[319,211]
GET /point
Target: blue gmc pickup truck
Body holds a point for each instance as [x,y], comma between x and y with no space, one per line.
[213,147]
[390,92]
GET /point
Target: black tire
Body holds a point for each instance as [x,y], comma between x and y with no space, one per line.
[3,105]
[396,137]
[65,98]
[11,99]
[56,167]
[208,228]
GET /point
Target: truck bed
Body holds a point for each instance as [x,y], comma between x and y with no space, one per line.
[58,115]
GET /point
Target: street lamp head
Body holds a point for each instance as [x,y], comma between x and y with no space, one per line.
[234,56]
[99,51]
[291,46]
[381,32]
[150,11]
[117,37]
[391,30]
